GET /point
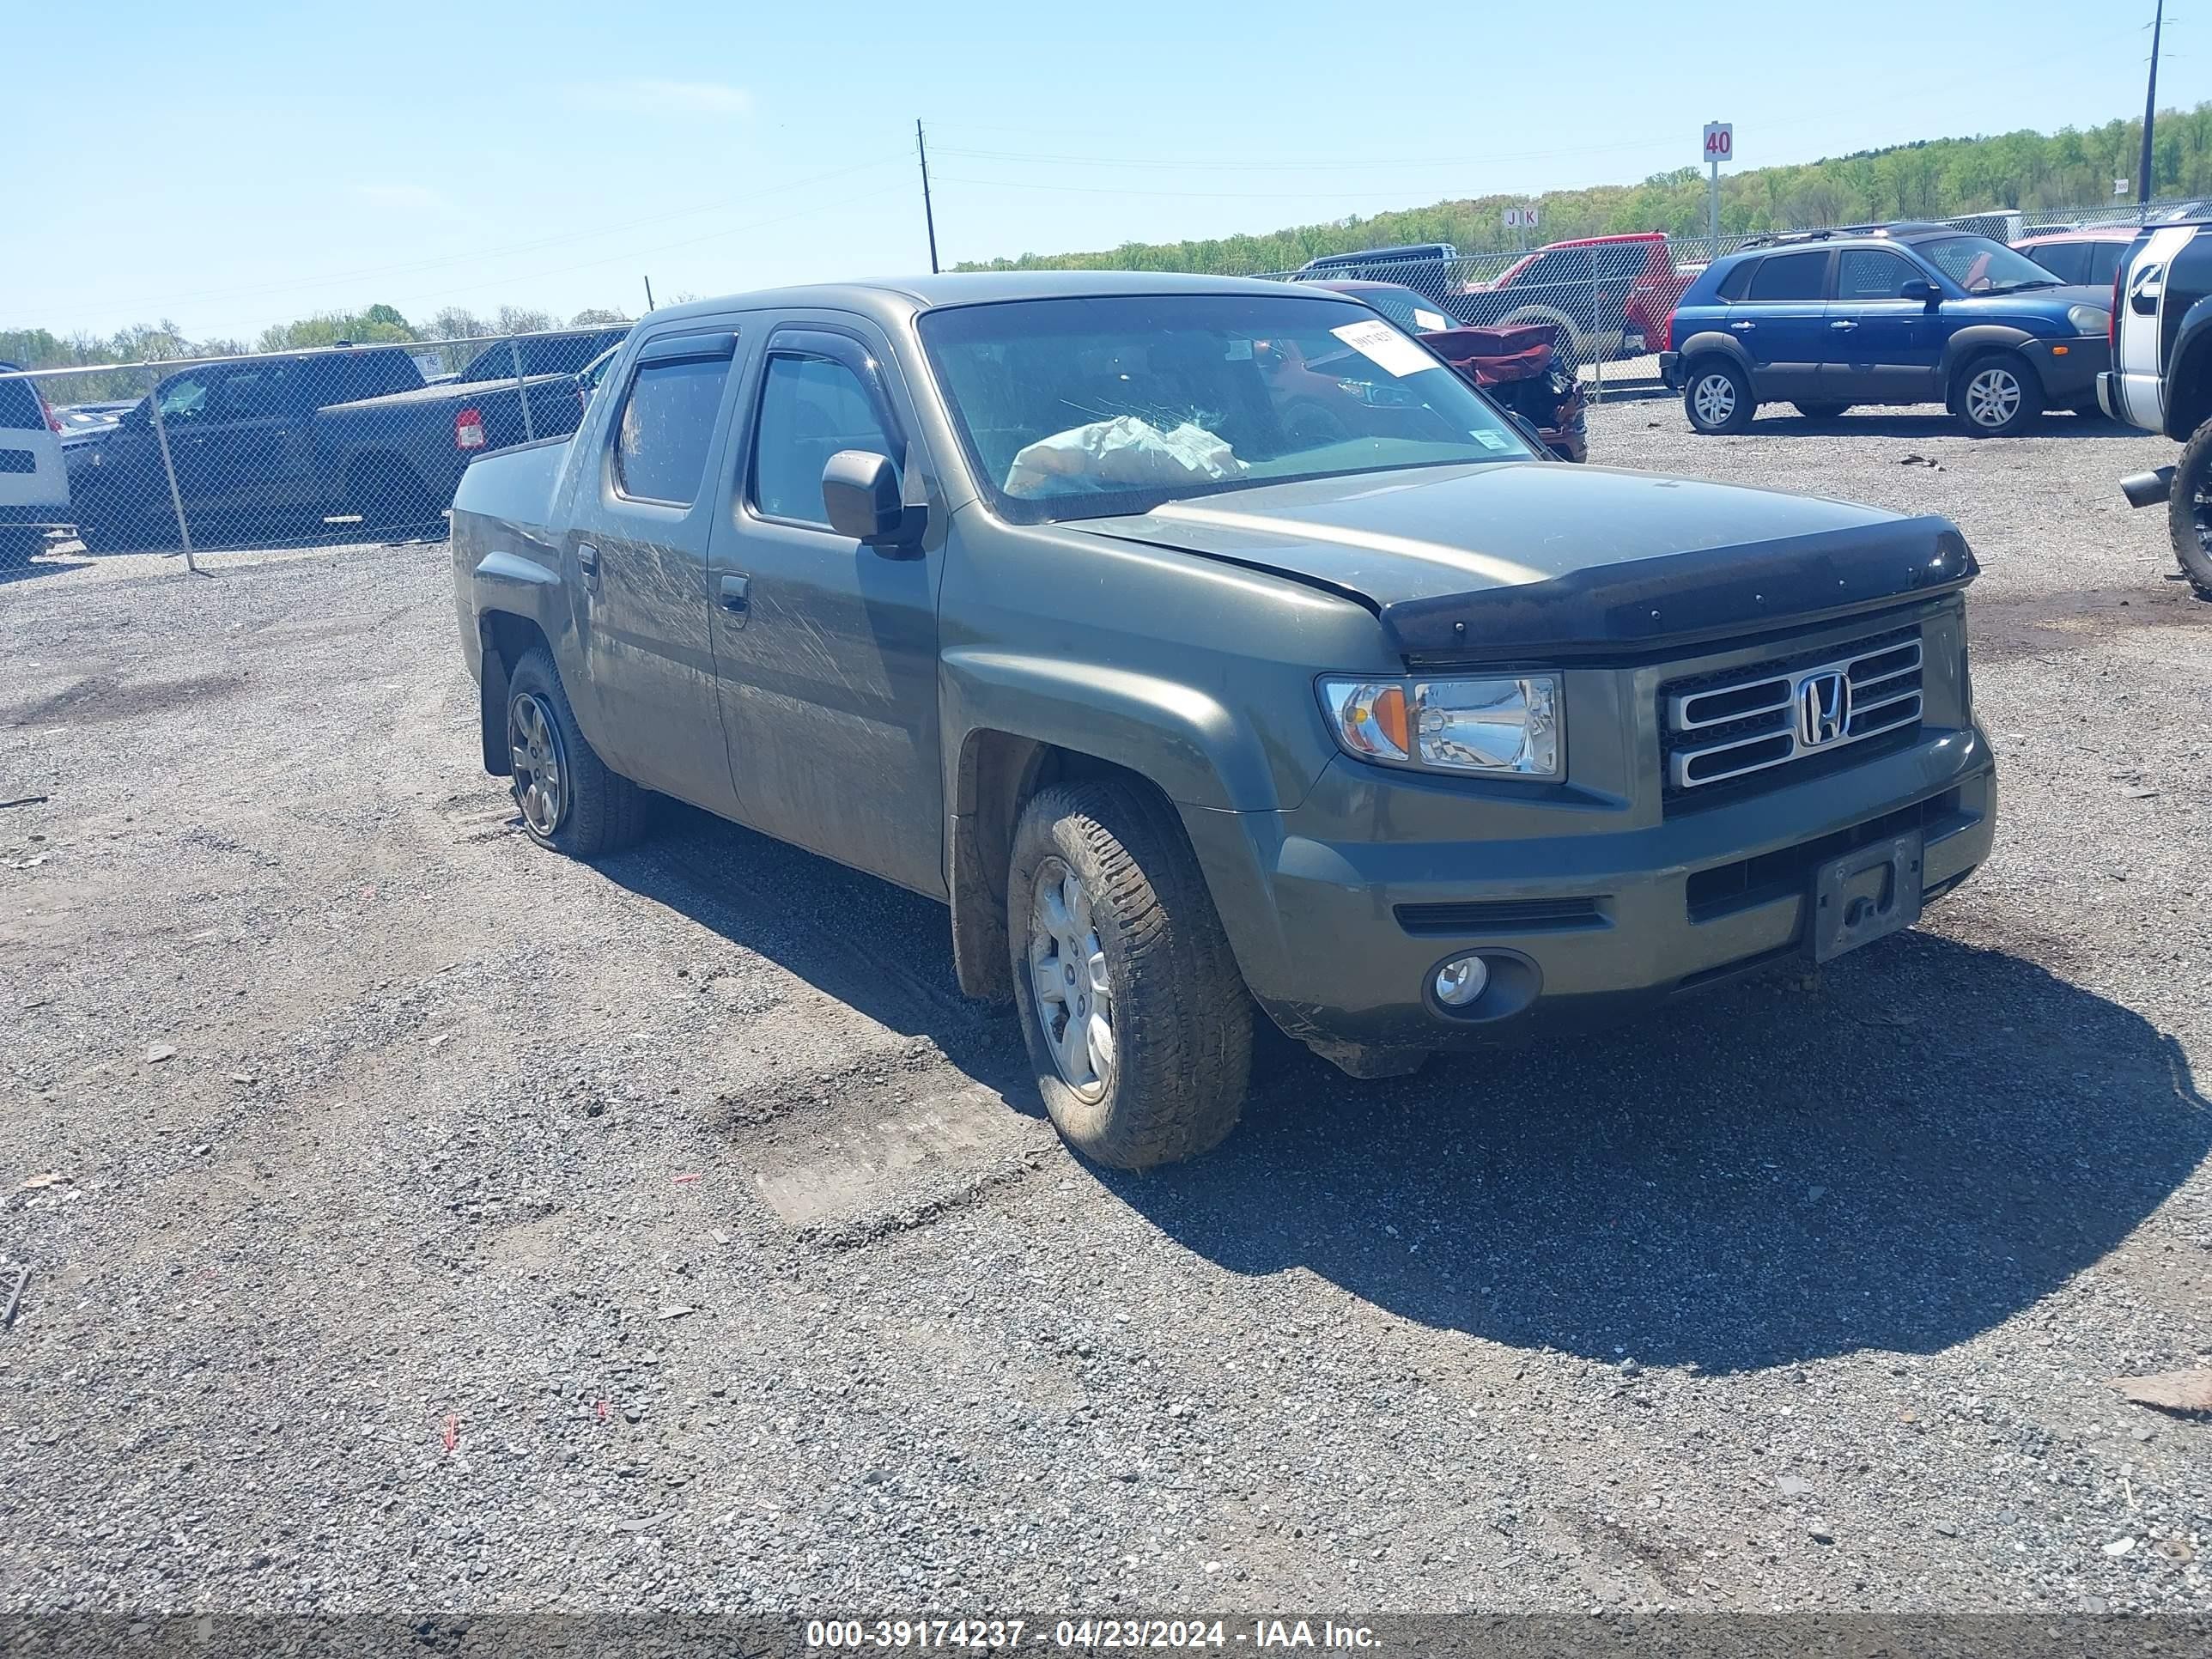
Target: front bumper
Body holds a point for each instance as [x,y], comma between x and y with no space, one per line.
[2069,369]
[1609,922]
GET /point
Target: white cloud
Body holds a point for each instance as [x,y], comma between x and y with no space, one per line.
[708,99]
[406,198]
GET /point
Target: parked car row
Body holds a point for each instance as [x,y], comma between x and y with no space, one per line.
[280,445]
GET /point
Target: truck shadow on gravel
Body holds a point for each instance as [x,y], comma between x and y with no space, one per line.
[1932,1142]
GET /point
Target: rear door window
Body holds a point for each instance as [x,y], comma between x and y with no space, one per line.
[1782,276]
[665,427]
[810,408]
[2067,261]
[1561,265]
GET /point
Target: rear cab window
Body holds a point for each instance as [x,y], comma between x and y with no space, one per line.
[667,427]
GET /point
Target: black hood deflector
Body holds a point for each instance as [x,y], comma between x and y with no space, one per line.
[1686,599]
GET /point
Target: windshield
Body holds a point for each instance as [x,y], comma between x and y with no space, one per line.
[1982,266]
[1407,307]
[1084,408]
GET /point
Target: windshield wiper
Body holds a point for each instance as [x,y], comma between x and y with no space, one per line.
[2014,287]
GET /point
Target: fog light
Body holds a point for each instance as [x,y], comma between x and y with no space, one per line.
[1460,980]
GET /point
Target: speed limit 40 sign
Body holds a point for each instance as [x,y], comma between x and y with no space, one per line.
[1720,141]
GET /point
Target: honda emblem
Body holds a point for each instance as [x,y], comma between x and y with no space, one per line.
[1824,709]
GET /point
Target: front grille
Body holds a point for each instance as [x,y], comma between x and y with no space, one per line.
[1718,728]
[18,460]
[1549,916]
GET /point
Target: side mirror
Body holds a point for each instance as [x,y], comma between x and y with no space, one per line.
[860,492]
[1923,290]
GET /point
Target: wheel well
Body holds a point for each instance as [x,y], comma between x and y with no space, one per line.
[2190,388]
[1704,359]
[507,638]
[998,774]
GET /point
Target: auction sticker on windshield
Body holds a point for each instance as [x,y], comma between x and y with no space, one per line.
[1386,347]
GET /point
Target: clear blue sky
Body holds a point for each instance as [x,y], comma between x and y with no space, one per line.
[235,163]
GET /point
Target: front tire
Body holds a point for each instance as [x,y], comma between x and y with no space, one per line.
[569,799]
[1717,396]
[1139,1025]
[2188,510]
[1997,396]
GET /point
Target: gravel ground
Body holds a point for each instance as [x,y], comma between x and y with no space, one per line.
[441,1224]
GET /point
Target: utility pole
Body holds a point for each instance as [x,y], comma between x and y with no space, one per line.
[649,293]
[930,218]
[2150,107]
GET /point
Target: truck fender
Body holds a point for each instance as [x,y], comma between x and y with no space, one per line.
[519,603]
[1008,716]
[2188,390]
[1711,343]
[1969,343]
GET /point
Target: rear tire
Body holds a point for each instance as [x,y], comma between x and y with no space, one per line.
[569,799]
[2188,510]
[1100,870]
[1717,396]
[1820,411]
[1997,396]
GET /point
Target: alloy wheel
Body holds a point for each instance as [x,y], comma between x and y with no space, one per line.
[540,776]
[1714,398]
[1993,396]
[1068,972]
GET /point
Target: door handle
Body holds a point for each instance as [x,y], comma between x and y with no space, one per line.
[737,597]
[587,560]
[1743,328]
[1844,325]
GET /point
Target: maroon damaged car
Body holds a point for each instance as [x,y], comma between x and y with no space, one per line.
[1516,367]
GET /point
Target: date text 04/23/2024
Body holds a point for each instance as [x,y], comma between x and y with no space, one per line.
[1087,1634]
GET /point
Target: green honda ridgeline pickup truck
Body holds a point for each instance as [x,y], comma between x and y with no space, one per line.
[1206,644]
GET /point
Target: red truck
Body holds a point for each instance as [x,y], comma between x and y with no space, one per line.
[1609,296]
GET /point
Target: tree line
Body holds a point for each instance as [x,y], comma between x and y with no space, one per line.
[1934,178]
[164,342]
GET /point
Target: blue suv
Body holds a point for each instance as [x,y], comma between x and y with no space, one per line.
[1828,319]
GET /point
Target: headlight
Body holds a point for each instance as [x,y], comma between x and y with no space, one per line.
[2089,319]
[1496,727]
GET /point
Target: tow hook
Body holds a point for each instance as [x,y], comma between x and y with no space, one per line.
[2147,489]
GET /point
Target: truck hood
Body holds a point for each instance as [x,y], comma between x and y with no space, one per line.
[1527,557]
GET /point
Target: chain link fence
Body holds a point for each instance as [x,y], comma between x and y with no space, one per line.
[189,462]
